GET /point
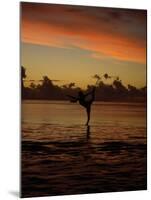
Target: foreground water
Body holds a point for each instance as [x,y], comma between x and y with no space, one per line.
[60,155]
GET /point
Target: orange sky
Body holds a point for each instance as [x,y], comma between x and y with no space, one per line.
[105,33]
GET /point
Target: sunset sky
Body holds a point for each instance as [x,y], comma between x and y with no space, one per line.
[72,43]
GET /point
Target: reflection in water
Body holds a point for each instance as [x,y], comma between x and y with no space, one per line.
[88,132]
[62,156]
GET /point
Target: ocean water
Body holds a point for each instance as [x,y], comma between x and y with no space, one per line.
[61,156]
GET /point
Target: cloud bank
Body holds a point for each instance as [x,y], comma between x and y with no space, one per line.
[105,32]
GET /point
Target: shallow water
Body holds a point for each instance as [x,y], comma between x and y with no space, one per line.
[60,155]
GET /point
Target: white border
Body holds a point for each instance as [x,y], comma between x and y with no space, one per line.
[10,104]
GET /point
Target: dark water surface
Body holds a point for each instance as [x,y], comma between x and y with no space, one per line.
[60,155]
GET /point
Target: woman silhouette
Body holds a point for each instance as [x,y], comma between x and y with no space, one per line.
[85,100]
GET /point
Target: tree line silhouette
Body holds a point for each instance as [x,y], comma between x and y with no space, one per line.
[45,89]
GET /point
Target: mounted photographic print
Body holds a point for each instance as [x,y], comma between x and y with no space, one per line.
[83,99]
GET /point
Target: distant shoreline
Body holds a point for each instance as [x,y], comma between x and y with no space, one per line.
[102,101]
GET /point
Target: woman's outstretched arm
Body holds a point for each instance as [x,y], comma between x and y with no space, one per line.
[72,98]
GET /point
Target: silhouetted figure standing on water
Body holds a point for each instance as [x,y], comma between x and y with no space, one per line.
[85,101]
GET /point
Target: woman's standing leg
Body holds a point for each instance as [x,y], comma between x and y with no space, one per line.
[88,109]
